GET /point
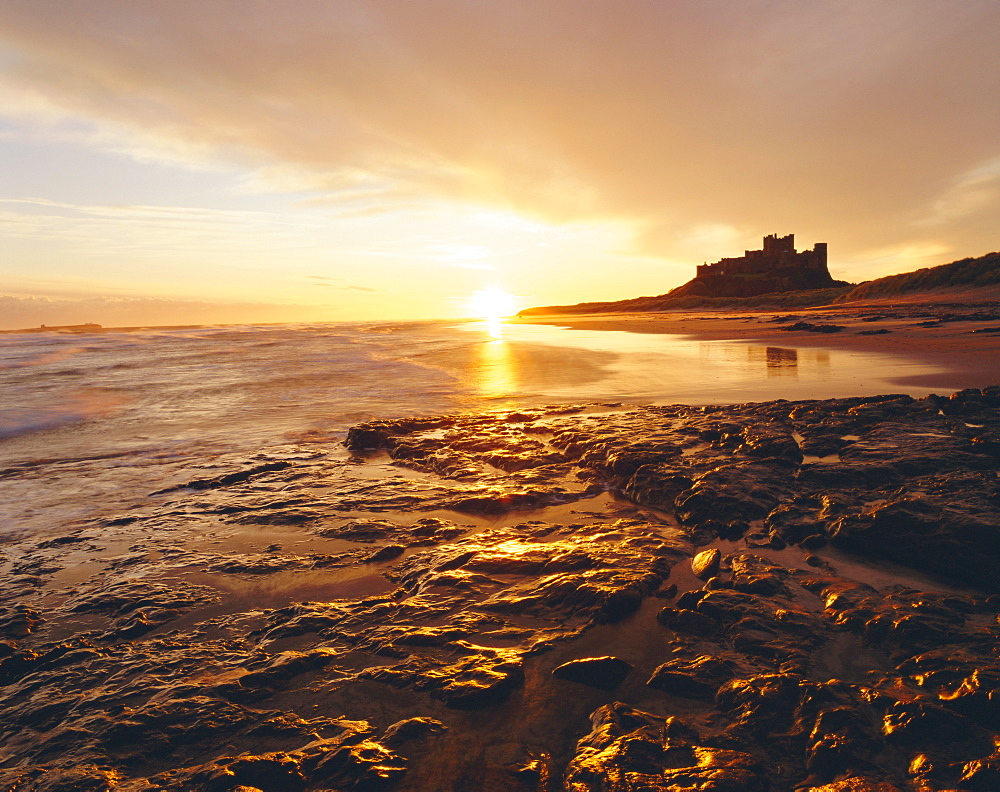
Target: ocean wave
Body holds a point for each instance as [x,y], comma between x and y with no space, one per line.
[74,409]
[29,358]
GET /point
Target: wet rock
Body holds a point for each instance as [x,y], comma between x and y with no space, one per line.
[759,703]
[229,479]
[656,486]
[922,533]
[915,722]
[84,778]
[267,772]
[477,680]
[754,575]
[771,441]
[603,576]
[362,530]
[856,784]
[669,592]
[794,521]
[385,553]
[706,563]
[631,749]
[410,730]
[377,434]
[19,621]
[687,621]
[698,678]
[177,662]
[260,564]
[365,765]
[981,775]
[600,672]
[811,327]
[740,491]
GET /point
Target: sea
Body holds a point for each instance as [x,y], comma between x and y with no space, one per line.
[91,421]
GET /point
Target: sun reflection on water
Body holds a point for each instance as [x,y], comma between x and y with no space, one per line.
[494,326]
[496,365]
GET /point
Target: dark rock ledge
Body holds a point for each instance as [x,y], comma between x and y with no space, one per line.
[749,598]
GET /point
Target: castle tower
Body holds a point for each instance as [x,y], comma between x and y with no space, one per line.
[775,245]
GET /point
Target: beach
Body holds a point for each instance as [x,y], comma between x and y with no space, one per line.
[460,570]
[944,330]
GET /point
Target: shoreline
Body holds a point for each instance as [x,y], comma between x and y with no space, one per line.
[492,599]
[951,344]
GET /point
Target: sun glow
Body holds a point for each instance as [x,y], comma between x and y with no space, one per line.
[492,304]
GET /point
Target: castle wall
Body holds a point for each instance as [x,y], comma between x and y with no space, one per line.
[777,253]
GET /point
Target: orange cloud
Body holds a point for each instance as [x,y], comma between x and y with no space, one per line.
[25,312]
[849,122]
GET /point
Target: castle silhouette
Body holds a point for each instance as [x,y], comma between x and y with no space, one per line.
[777,267]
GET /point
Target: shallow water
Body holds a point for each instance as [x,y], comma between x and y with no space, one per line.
[90,423]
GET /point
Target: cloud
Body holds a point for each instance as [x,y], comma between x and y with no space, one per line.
[338,283]
[18,313]
[972,192]
[893,259]
[839,121]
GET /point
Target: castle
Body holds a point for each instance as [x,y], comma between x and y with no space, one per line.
[778,253]
[777,267]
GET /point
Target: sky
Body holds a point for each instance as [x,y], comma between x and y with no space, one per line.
[323,160]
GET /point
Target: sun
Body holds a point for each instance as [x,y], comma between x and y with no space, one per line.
[492,304]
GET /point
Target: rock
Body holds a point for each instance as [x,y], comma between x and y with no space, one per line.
[479,679]
[385,553]
[698,678]
[981,775]
[269,771]
[706,564]
[664,593]
[813,542]
[810,327]
[856,784]
[798,674]
[927,534]
[405,731]
[601,672]
[652,752]
[918,722]
[687,621]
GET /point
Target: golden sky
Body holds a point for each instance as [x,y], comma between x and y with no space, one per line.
[255,160]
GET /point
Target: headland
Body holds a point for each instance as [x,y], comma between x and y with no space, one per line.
[948,316]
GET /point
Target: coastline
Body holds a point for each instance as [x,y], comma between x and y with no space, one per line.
[530,600]
[971,357]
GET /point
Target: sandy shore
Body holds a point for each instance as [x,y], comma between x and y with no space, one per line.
[954,337]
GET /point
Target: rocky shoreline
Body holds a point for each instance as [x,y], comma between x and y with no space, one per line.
[745,598]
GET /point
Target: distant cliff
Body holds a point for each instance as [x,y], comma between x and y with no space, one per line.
[777,267]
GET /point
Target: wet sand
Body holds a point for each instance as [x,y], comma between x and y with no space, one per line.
[937,333]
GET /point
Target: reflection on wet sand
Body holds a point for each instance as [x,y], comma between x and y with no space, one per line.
[494,326]
[497,374]
[783,362]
